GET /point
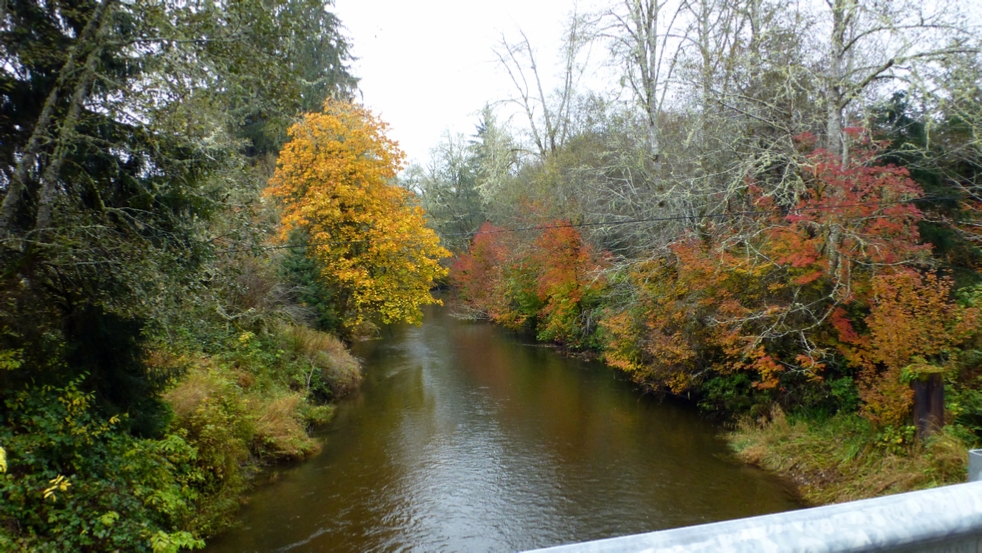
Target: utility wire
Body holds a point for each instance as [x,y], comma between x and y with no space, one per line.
[719,216]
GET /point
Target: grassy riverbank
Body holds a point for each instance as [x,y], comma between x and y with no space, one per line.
[845,458]
[252,404]
[76,478]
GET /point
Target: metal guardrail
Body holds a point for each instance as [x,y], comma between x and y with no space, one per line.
[946,519]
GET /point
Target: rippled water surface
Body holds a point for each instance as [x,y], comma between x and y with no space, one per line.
[467,438]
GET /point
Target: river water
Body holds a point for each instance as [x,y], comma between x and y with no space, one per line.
[465,437]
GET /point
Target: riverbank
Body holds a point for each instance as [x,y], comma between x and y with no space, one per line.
[844,458]
[703,322]
[252,405]
[841,458]
[174,472]
[829,459]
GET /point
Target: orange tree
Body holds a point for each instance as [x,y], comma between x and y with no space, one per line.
[550,283]
[912,327]
[569,283]
[790,302]
[477,273]
[367,236]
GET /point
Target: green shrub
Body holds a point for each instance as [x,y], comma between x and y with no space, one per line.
[252,403]
[77,481]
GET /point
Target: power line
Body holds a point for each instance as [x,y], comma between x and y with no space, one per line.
[667,218]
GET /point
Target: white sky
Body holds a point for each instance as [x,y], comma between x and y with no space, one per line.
[427,66]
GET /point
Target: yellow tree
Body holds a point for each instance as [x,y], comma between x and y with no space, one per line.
[368,236]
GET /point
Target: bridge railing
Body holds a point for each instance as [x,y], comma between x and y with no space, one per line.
[946,519]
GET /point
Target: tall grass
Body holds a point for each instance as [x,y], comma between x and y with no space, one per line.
[844,458]
[324,355]
[252,403]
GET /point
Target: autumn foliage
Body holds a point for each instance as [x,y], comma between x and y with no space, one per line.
[548,282]
[368,236]
[825,300]
[476,272]
[791,301]
[913,327]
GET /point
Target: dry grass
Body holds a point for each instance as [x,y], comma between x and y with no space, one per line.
[278,429]
[200,384]
[840,459]
[323,352]
[271,424]
[246,402]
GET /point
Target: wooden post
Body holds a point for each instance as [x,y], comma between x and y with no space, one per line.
[928,404]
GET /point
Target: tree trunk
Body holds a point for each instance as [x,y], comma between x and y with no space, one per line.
[18,183]
[49,179]
[843,12]
[647,24]
[928,404]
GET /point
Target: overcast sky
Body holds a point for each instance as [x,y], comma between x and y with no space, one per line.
[428,65]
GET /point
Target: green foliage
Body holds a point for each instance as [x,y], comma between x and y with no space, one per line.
[519,286]
[162,542]
[11,359]
[843,393]
[734,393]
[466,179]
[448,191]
[305,59]
[944,174]
[110,349]
[895,439]
[72,472]
[251,402]
[301,271]
[134,141]
[126,262]
[964,404]
[107,348]
[330,370]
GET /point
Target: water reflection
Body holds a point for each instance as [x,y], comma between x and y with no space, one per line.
[465,439]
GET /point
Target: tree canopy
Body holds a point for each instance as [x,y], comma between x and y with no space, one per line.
[782,197]
[333,181]
[133,145]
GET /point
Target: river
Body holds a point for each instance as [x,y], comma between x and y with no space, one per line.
[465,437]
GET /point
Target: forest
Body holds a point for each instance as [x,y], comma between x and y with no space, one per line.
[771,211]
[177,295]
[774,215]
